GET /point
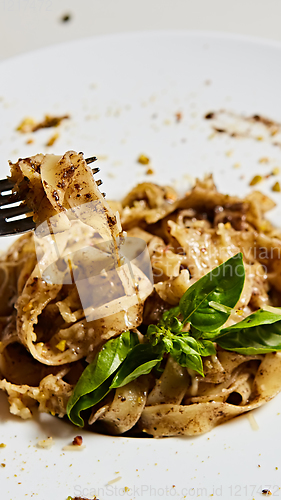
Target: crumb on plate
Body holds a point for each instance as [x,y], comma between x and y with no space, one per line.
[77,441]
[276,187]
[255,180]
[45,443]
[52,140]
[143,160]
[149,171]
[264,159]
[28,124]
[66,17]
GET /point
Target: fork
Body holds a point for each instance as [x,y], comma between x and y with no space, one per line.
[10,221]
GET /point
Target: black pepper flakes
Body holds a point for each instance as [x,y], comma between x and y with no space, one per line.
[65,18]
[55,195]
[209,116]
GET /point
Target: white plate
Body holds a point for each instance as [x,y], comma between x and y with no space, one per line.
[122,93]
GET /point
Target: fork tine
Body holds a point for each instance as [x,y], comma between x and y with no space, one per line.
[17,226]
[5,185]
[7,199]
[91,159]
[7,213]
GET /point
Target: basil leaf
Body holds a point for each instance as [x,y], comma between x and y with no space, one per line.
[170,321]
[89,400]
[220,307]
[259,333]
[196,334]
[206,348]
[222,285]
[188,340]
[176,326]
[210,335]
[260,317]
[140,361]
[185,355]
[154,334]
[256,340]
[95,375]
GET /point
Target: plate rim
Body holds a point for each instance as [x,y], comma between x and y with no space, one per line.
[181,33]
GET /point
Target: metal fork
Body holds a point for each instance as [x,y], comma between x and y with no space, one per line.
[18,225]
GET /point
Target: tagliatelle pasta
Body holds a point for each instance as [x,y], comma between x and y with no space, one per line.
[48,337]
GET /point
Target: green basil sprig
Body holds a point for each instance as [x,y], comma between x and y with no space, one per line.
[181,346]
[186,332]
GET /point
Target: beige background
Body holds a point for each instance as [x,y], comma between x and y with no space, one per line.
[29,24]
